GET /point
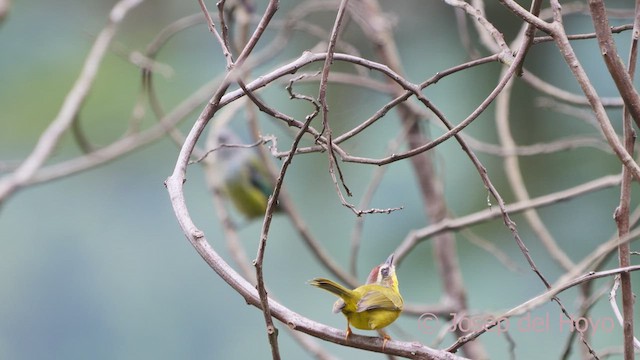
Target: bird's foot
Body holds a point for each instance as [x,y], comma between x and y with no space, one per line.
[385,338]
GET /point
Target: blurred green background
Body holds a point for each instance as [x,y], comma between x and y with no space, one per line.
[95,265]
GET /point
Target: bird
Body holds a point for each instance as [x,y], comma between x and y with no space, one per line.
[371,306]
[242,175]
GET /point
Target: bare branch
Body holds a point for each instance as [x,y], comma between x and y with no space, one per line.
[615,65]
[416,236]
[621,214]
[72,104]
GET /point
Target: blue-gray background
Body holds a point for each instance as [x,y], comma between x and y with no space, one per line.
[95,266]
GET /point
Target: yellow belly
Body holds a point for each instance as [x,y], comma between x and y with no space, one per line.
[372,319]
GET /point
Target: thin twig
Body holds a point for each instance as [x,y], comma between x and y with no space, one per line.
[620,317]
[585,306]
[587,36]
[212,28]
[322,99]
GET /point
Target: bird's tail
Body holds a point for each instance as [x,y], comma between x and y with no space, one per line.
[331,287]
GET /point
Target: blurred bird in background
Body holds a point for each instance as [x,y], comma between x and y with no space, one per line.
[241,174]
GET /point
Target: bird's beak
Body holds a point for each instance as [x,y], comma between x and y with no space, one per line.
[389,260]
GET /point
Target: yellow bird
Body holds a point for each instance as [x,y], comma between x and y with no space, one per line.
[372,306]
[242,175]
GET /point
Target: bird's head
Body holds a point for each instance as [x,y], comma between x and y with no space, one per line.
[384,274]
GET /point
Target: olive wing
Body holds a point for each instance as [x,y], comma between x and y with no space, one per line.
[375,299]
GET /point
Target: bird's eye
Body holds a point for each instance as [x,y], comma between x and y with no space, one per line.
[384,271]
